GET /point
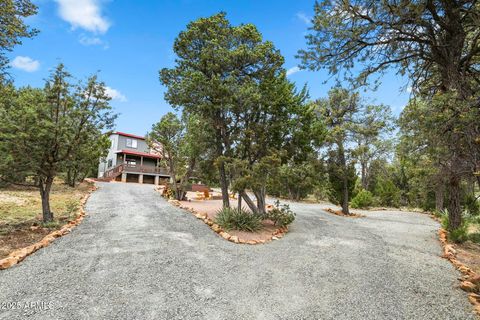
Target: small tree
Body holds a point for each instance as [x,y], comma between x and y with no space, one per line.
[371,136]
[338,112]
[180,143]
[42,129]
[84,160]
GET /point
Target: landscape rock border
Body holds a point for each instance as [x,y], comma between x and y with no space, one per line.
[470,280]
[276,235]
[340,213]
[19,255]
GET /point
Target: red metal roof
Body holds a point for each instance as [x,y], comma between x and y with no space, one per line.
[138,153]
[128,135]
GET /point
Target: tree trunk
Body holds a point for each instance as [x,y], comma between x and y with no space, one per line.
[364,177]
[45,188]
[439,196]
[173,176]
[454,208]
[260,195]
[72,177]
[239,205]
[69,177]
[249,202]
[224,185]
[343,163]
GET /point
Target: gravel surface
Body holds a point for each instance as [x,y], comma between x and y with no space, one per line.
[137,257]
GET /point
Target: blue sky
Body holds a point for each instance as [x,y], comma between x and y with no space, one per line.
[128,42]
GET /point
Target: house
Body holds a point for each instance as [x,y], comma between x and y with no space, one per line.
[131,160]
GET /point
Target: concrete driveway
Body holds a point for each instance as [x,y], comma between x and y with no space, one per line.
[137,257]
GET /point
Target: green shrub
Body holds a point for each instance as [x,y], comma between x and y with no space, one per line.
[470,205]
[362,200]
[238,219]
[388,193]
[281,214]
[458,235]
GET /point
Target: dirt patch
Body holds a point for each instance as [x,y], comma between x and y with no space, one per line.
[20,238]
[20,214]
[469,254]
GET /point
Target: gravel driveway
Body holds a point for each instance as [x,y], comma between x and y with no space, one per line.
[137,257]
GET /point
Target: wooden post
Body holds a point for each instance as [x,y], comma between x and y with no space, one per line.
[141,163]
[124,158]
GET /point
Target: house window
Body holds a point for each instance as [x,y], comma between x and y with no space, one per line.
[132,143]
[109,163]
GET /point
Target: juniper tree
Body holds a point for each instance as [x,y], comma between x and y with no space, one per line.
[41,130]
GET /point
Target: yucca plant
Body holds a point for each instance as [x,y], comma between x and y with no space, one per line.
[238,219]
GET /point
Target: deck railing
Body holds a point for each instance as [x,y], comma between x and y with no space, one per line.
[125,167]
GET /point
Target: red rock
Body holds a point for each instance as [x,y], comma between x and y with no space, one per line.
[251,242]
[8,262]
[449,249]
[234,239]
[224,235]
[474,298]
[475,278]
[216,228]
[468,286]
[56,234]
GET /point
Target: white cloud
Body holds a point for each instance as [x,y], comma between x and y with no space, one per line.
[85,14]
[25,64]
[293,71]
[306,19]
[115,94]
[90,41]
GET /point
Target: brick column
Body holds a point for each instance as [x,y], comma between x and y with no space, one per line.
[140,178]
[124,177]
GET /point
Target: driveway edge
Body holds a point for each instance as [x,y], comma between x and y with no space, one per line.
[470,281]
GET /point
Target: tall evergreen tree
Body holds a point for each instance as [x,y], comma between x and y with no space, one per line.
[215,76]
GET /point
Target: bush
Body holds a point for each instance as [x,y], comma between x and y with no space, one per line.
[362,200]
[281,215]
[458,235]
[238,219]
[470,205]
[388,193]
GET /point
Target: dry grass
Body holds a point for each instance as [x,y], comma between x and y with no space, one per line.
[21,208]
